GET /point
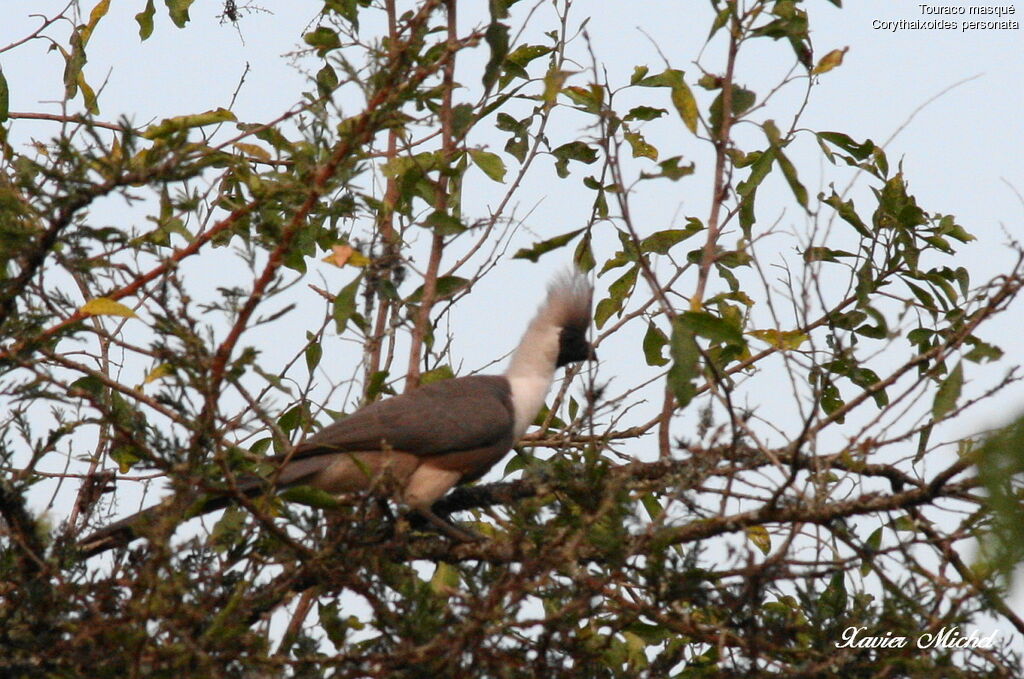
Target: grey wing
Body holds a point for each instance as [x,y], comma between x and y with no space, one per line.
[452,415]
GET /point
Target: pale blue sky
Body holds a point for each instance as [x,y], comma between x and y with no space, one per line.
[963,153]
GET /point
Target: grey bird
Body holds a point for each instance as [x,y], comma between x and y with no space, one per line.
[428,440]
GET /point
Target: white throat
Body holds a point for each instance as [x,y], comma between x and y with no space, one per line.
[531,371]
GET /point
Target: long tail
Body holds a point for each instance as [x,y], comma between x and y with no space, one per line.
[128,529]
[121,533]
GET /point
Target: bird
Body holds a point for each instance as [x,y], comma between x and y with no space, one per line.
[426,441]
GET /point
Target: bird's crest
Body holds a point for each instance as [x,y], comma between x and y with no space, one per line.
[569,301]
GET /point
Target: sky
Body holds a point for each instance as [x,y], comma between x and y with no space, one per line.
[948,102]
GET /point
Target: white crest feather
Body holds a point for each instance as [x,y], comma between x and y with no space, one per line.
[532,368]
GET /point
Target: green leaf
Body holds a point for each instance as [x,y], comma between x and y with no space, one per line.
[846,212]
[617,294]
[904,523]
[490,163]
[589,99]
[496,37]
[823,254]
[447,286]
[90,384]
[145,20]
[670,77]
[685,356]
[948,393]
[671,169]
[583,258]
[661,242]
[575,150]
[323,39]
[627,255]
[326,81]
[293,418]
[377,385]
[442,372]
[644,113]
[948,227]
[125,458]
[347,9]
[169,126]
[831,399]
[345,304]
[5,99]
[463,118]
[758,171]
[982,351]
[788,170]
[445,579]
[712,327]
[791,23]
[845,142]
[654,342]
[834,599]
[1000,468]
[742,101]
[535,251]
[178,9]
[507,123]
[74,62]
[874,541]
[444,224]
[524,54]
[720,19]
[639,73]
[314,352]
[311,497]
[652,505]
[228,528]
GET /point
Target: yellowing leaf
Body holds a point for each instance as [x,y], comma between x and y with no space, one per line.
[253,150]
[445,579]
[162,370]
[833,59]
[103,306]
[88,95]
[97,13]
[553,82]
[346,254]
[781,339]
[686,105]
[760,537]
[641,149]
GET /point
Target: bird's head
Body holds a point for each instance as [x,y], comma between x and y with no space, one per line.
[568,308]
